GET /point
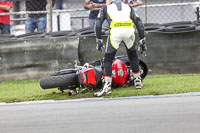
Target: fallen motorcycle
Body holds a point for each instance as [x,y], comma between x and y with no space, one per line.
[89,76]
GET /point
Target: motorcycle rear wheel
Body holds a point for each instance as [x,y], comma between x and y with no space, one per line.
[58,81]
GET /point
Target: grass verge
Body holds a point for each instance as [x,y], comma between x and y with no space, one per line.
[16,91]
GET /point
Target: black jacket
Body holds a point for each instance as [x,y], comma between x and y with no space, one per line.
[37,5]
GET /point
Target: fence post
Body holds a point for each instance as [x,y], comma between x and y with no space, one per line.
[49,16]
[146,11]
[197,12]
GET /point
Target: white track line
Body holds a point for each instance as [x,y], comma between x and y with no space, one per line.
[101,98]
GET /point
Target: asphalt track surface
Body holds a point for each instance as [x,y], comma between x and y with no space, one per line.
[144,115]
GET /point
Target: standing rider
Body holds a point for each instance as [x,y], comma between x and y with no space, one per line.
[120,17]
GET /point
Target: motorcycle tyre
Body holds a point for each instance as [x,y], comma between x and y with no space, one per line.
[58,81]
[144,67]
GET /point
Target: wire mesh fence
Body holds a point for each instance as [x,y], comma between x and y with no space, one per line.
[61,15]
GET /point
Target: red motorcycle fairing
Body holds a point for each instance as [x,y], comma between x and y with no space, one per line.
[87,77]
[90,77]
[119,72]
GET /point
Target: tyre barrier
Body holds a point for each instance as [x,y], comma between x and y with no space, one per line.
[197,27]
[197,22]
[151,24]
[177,23]
[86,32]
[90,31]
[153,28]
[6,37]
[61,33]
[172,27]
[29,34]
[179,28]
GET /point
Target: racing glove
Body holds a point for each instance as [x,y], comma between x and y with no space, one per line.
[143,47]
[99,46]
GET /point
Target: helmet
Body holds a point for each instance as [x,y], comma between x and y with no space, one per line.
[119,73]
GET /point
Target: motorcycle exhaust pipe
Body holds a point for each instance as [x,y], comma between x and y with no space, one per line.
[72,92]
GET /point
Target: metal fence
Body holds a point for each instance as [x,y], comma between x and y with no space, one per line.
[71,15]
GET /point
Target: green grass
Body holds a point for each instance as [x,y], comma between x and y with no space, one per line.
[16,91]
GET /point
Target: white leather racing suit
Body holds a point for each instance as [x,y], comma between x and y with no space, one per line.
[121,19]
